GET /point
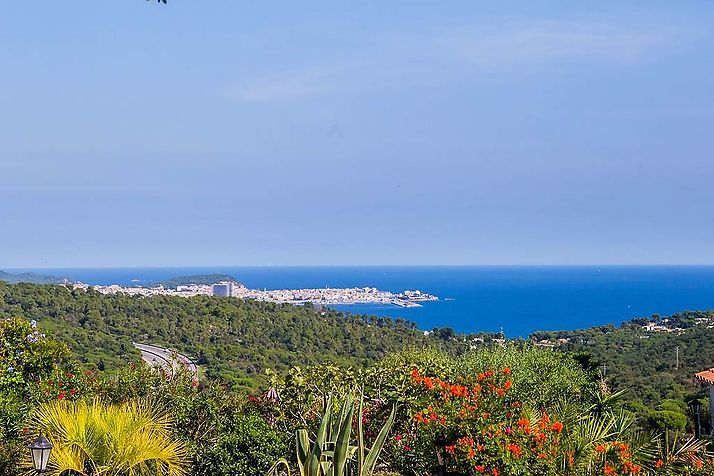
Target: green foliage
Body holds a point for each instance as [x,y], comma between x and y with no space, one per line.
[645,362]
[331,453]
[26,354]
[233,340]
[132,439]
[247,446]
[668,420]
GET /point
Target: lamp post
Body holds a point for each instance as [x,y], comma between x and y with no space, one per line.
[696,408]
[40,449]
[440,442]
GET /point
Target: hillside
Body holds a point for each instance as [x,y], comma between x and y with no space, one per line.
[32,278]
[234,340]
[642,361]
[197,279]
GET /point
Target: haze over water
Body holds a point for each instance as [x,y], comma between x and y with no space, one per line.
[519,300]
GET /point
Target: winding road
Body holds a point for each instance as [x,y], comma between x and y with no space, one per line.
[168,359]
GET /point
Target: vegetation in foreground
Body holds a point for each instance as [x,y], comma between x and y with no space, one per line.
[513,410]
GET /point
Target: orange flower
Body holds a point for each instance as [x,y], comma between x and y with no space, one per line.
[495,472]
[557,427]
[600,448]
[480,468]
[515,449]
[659,463]
[507,385]
[465,441]
[523,422]
[506,371]
[428,383]
[609,469]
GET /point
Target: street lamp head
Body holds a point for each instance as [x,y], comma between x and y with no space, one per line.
[695,405]
[40,450]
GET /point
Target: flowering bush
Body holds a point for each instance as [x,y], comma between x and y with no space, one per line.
[26,354]
[63,384]
[477,427]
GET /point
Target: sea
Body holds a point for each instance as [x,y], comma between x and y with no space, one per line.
[516,300]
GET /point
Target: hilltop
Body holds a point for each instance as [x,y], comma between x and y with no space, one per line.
[32,278]
[198,279]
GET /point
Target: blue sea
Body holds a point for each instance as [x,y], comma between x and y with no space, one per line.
[517,300]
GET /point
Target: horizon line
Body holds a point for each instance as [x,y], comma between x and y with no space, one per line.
[469,265]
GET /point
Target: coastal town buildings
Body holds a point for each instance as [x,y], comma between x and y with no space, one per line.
[317,296]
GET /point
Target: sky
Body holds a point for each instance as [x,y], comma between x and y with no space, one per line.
[360,132]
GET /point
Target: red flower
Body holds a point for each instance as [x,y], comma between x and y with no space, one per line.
[507,385]
[557,427]
[73,392]
[397,437]
[515,449]
[415,376]
[480,468]
[609,469]
[659,463]
[407,448]
[61,396]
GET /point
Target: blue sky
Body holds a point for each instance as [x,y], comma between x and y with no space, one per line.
[360,132]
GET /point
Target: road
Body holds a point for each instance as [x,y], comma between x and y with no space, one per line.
[167,359]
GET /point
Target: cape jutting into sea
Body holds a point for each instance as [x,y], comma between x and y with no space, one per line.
[518,300]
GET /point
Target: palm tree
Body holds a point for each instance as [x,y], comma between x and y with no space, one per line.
[93,438]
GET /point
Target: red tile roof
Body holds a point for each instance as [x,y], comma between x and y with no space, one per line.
[706,376]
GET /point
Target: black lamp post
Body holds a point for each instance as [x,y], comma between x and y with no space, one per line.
[696,407]
[440,442]
[40,449]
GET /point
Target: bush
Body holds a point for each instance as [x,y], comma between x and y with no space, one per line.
[247,445]
[668,420]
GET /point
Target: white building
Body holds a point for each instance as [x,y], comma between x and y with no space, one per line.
[222,289]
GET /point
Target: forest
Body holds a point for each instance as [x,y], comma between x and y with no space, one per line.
[232,340]
[237,342]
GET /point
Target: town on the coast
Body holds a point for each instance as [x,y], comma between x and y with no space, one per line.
[326,296]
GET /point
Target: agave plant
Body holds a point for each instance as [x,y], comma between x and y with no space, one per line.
[331,453]
[93,438]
